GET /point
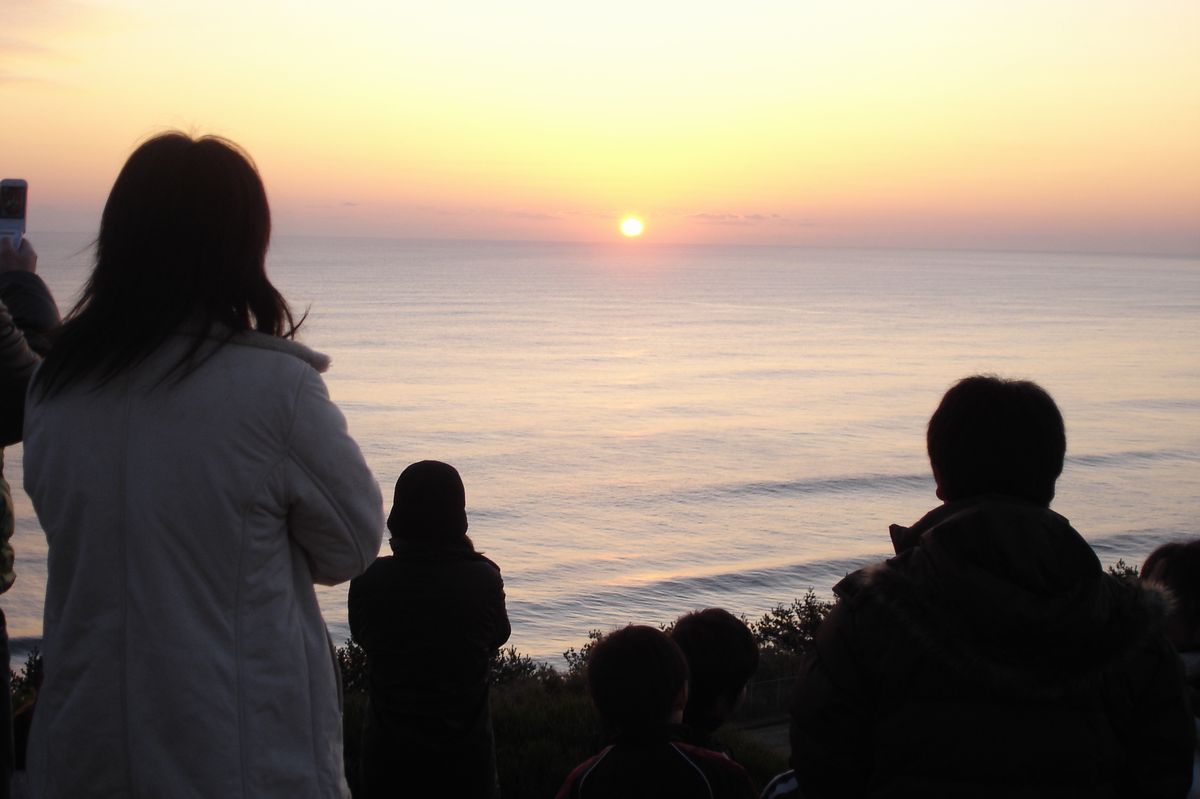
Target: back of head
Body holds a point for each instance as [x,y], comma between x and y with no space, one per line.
[996,436]
[183,239]
[429,505]
[722,657]
[636,676]
[1176,567]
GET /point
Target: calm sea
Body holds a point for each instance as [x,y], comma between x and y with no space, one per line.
[648,429]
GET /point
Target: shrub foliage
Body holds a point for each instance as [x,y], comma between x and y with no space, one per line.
[791,629]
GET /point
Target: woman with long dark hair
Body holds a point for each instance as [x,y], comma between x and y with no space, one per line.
[194,480]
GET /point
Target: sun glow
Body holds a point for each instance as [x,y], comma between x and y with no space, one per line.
[557,122]
[632,226]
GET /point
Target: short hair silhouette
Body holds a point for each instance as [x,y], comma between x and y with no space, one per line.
[722,656]
[429,504]
[1176,567]
[635,676]
[183,239]
[995,436]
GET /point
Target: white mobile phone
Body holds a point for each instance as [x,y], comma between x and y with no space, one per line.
[13,194]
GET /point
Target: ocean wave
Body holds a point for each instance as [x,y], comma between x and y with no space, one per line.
[1134,545]
[565,617]
[881,483]
[775,584]
[1128,458]
[824,485]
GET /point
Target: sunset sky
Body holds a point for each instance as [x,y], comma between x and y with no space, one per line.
[1021,124]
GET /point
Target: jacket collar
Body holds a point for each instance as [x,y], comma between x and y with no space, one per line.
[222,335]
[264,341]
[906,538]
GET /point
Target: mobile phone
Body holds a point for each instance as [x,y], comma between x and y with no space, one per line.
[13,193]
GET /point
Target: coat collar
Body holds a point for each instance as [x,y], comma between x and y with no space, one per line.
[264,341]
[221,335]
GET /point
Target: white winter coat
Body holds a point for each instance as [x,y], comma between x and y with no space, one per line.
[185,655]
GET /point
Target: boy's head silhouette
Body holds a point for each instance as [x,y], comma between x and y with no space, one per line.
[637,677]
[996,436]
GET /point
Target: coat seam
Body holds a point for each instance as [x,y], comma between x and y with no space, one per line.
[287,492]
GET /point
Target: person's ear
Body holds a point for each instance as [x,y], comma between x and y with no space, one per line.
[937,479]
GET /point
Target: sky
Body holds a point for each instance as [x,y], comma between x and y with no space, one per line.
[1013,124]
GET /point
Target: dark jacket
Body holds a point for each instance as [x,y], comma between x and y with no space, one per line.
[27,316]
[430,620]
[657,769]
[991,657]
[701,737]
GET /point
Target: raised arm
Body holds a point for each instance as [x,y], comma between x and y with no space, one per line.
[27,315]
[25,294]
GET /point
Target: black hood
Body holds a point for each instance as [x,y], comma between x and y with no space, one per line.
[1009,590]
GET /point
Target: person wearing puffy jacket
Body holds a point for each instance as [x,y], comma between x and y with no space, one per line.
[194,481]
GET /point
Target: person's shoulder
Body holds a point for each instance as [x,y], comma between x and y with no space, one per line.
[464,564]
[379,570]
[861,587]
[478,575]
[484,564]
[709,760]
[698,752]
[783,786]
[571,785]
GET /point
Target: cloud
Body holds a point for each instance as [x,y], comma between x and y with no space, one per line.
[11,46]
[16,55]
[739,219]
[9,79]
[64,23]
[535,215]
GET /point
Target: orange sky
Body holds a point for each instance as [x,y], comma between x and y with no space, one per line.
[1028,125]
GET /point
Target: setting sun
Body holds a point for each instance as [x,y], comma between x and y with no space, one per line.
[632,226]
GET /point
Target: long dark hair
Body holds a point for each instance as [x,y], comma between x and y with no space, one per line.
[183,241]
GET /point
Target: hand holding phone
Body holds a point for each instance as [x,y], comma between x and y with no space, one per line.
[17,258]
[13,195]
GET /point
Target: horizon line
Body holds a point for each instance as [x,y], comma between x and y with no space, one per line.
[645,243]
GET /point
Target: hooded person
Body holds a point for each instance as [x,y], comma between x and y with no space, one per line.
[992,656]
[429,617]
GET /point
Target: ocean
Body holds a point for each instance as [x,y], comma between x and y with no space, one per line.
[646,429]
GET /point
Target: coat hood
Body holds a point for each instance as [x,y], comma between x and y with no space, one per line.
[1009,589]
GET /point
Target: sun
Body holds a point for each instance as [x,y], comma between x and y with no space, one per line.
[631,226]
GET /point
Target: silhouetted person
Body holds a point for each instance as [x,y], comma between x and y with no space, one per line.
[992,656]
[193,480]
[27,316]
[637,677]
[722,656]
[430,617]
[1176,568]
